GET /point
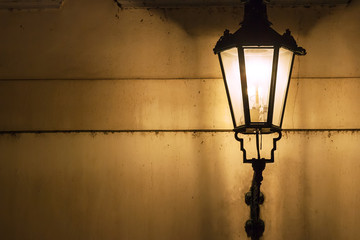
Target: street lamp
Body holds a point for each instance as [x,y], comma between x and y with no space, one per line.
[256,64]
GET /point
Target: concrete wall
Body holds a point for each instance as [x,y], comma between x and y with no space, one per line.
[93,66]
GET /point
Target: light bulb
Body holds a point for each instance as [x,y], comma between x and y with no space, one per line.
[258,66]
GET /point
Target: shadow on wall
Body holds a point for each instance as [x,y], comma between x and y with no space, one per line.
[200,21]
[202,27]
[321,203]
[215,222]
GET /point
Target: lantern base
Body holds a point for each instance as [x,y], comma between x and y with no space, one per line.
[260,128]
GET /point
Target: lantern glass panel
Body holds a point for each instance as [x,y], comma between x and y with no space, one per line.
[258,67]
[230,61]
[282,82]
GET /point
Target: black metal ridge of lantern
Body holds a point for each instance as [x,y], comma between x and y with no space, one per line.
[250,115]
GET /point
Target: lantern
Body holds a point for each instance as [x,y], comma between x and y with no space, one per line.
[256,64]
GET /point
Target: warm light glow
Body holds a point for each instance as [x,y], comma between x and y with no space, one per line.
[258,62]
[230,61]
[282,81]
[258,67]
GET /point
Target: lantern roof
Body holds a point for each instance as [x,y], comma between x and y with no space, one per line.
[255,30]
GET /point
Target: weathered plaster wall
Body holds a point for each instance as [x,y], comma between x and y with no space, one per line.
[174,186]
[93,66]
[96,40]
[329,103]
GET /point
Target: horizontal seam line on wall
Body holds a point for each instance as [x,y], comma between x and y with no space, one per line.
[168,131]
[229,4]
[153,78]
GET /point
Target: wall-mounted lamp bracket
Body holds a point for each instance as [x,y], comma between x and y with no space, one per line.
[255,226]
[252,160]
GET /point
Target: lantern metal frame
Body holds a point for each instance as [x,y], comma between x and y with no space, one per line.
[255,32]
[251,127]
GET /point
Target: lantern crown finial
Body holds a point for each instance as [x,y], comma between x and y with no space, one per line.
[255,30]
[255,14]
